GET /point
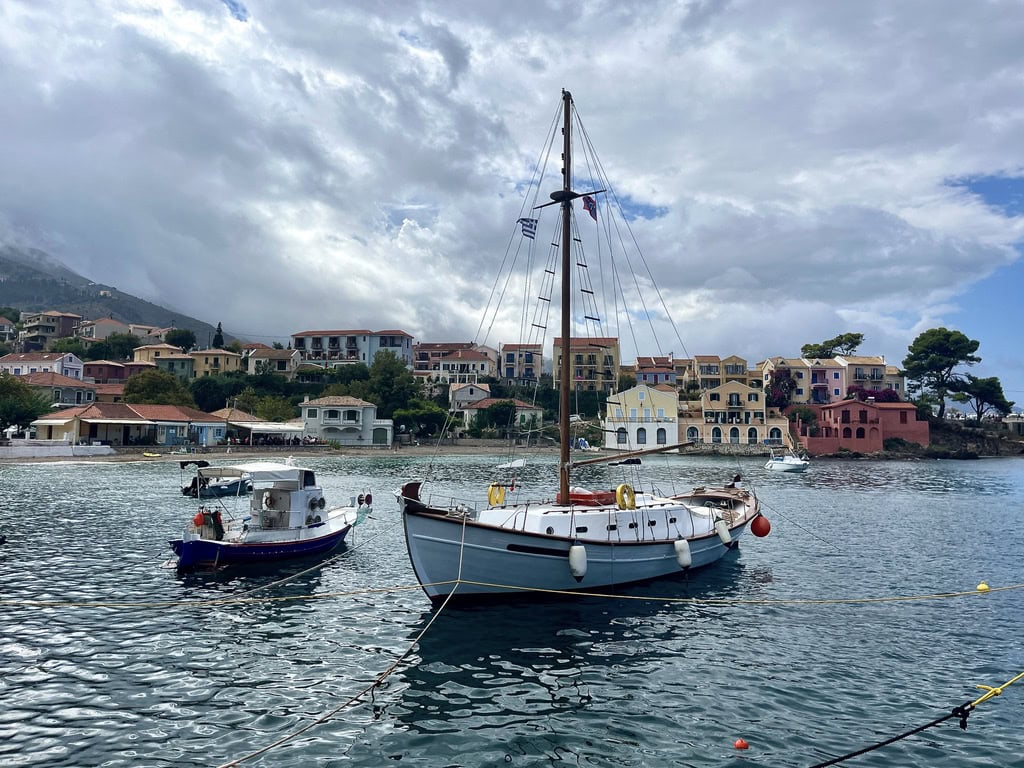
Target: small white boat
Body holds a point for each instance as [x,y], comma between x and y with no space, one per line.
[285,516]
[787,462]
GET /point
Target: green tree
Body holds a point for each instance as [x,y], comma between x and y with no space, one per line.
[156,387]
[208,393]
[933,359]
[181,337]
[11,313]
[273,408]
[277,345]
[391,385]
[983,395]
[117,346]
[70,344]
[843,344]
[626,381]
[779,389]
[247,400]
[20,404]
[218,338]
[420,418]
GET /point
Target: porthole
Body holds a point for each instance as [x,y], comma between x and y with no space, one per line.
[581,529]
[550,531]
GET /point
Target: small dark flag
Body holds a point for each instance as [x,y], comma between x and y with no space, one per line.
[591,206]
[529,228]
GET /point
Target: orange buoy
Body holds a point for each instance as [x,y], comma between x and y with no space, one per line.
[741,744]
[198,520]
[760,526]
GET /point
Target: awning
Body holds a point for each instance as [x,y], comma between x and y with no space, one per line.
[129,422]
[274,428]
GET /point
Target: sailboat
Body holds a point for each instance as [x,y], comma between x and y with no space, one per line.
[581,540]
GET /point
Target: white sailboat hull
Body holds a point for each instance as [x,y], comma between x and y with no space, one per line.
[450,552]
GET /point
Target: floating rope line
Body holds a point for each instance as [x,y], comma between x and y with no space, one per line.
[715,601]
[328,715]
[961,713]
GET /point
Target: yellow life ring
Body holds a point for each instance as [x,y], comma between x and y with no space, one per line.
[625,497]
[496,495]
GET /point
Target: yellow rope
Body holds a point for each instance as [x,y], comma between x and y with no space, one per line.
[992,692]
[406,587]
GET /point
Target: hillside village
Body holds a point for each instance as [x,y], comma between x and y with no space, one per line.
[310,391]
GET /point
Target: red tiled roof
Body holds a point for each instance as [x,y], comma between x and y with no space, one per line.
[51,379]
[487,402]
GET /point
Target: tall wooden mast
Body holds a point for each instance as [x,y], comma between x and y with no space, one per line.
[567,197]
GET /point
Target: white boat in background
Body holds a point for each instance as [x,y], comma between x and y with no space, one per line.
[285,516]
[787,462]
[577,539]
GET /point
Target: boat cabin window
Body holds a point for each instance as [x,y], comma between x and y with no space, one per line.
[308,479]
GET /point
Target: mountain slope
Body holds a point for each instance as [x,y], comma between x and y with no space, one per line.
[34,281]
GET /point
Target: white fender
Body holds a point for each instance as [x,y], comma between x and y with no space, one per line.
[578,561]
[723,532]
[683,556]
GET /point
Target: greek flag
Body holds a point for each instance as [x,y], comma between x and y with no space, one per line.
[529,227]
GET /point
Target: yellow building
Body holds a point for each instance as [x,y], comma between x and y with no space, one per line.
[150,353]
[594,363]
[210,362]
[733,413]
[641,417]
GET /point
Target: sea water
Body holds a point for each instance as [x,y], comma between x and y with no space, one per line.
[840,629]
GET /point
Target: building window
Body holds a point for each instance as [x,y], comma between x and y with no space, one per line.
[620,436]
[662,436]
[641,436]
[835,375]
[860,433]
[311,413]
[903,417]
[799,390]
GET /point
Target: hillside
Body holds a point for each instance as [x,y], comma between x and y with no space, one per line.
[34,281]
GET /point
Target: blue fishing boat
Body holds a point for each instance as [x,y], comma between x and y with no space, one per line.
[285,516]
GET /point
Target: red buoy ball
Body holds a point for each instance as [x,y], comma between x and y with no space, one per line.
[760,527]
[741,744]
[198,520]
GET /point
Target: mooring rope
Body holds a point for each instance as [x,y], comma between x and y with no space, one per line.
[352,700]
[961,713]
[707,601]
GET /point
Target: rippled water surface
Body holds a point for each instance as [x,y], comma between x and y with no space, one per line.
[174,679]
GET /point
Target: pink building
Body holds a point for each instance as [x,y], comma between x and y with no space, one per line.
[862,427]
[104,371]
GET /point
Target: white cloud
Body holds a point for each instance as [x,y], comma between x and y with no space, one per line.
[282,167]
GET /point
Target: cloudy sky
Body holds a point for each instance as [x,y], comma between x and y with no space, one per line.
[808,168]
